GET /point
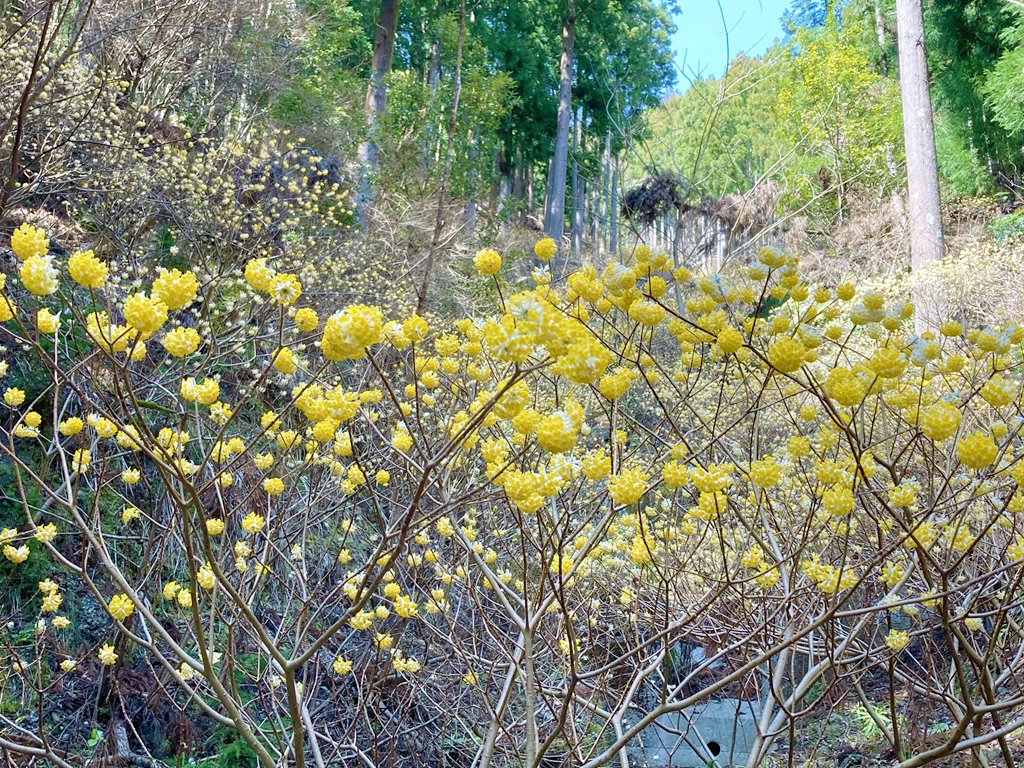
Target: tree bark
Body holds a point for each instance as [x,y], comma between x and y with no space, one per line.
[613,227]
[387,24]
[577,219]
[554,226]
[923,204]
[883,58]
[421,302]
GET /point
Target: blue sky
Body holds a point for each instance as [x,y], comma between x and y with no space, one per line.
[753,26]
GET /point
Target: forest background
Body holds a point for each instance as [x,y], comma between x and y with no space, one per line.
[469,383]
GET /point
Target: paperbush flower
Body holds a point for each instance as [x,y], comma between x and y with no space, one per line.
[28,242]
[174,288]
[765,473]
[487,262]
[88,271]
[306,319]
[940,421]
[545,249]
[39,275]
[71,427]
[80,461]
[897,640]
[259,276]
[557,432]
[284,361]
[144,314]
[16,555]
[977,450]
[286,289]
[627,487]
[253,523]
[107,655]
[48,323]
[46,533]
[120,607]
[786,354]
[348,333]
[998,391]
[181,342]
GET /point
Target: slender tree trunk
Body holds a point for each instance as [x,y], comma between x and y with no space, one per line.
[470,211]
[925,216]
[421,302]
[377,96]
[613,227]
[554,226]
[883,58]
[530,191]
[606,191]
[519,186]
[577,235]
[383,53]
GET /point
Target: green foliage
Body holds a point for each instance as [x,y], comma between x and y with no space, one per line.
[961,169]
[718,133]
[323,89]
[866,724]
[232,752]
[971,54]
[846,115]
[815,116]
[1006,227]
[415,127]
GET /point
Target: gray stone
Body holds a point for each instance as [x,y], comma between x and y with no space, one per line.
[720,730]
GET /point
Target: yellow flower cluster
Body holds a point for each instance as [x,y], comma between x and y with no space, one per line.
[29,242]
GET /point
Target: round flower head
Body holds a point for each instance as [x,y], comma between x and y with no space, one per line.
[306,319]
[284,361]
[487,262]
[286,289]
[181,342]
[121,607]
[545,249]
[39,275]
[107,655]
[28,241]
[977,450]
[627,487]
[87,270]
[14,396]
[145,314]
[175,289]
[48,323]
[348,333]
[259,276]
[787,354]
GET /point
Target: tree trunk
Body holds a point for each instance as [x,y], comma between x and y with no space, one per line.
[377,97]
[613,227]
[926,244]
[606,191]
[519,186]
[554,226]
[470,210]
[576,228]
[883,59]
[383,53]
[421,302]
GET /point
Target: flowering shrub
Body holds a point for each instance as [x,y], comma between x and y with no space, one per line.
[503,526]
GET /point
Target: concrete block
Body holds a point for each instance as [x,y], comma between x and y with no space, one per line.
[720,730]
